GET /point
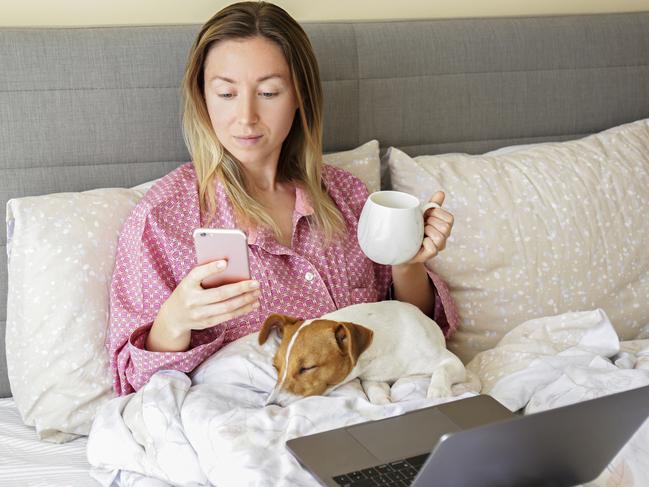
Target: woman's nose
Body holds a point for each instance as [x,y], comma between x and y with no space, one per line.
[247,110]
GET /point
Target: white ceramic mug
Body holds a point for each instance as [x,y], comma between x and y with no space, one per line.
[391,227]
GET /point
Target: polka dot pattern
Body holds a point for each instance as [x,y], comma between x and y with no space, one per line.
[155,251]
[541,230]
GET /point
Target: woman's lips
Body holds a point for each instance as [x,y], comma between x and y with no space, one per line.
[247,140]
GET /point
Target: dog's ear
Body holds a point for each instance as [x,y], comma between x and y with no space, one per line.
[353,339]
[275,322]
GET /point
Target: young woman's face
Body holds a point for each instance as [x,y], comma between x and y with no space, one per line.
[250,99]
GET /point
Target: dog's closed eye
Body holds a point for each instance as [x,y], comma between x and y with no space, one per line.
[304,369]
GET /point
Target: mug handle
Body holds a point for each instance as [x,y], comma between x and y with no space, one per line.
[428,206]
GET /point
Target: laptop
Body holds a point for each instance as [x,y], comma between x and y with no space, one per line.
[477,441]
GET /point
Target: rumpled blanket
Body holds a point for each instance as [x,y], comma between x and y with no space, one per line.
[213,428]
[555,361]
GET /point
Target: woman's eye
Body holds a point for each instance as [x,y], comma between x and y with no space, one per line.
[263,94]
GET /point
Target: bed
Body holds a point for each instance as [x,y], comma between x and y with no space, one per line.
[90,109]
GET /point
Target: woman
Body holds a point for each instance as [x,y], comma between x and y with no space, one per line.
[253,125]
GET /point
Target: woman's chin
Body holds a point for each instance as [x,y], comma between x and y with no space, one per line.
[252,157]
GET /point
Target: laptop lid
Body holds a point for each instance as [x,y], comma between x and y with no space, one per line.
[560,447]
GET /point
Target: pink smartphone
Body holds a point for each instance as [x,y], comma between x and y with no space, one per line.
[220,243]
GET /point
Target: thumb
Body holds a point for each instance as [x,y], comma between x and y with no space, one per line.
[438,198]
[202,271]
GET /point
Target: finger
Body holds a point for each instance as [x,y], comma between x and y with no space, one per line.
[226,310]
[442,214]
[430,249]
[227,291]
[427,250]
[200,272]
[435,236]
[422,254]
[438,199]
[441,225]
[226,306]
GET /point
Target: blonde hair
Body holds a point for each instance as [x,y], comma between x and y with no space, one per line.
[300,158]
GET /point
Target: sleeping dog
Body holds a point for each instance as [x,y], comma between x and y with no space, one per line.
[376,342]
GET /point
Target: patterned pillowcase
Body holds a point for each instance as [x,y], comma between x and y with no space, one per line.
[61,261]
[541,230]
[61,255]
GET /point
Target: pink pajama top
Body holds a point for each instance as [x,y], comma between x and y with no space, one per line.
[155,251]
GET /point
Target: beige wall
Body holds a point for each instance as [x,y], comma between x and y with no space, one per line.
[111,12]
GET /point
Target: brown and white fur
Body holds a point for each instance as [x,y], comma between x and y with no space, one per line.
[376,342]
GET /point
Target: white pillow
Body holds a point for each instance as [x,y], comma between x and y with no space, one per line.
[61,256]
[61,261]
[541,230]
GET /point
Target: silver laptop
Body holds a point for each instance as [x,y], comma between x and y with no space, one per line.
[477,441]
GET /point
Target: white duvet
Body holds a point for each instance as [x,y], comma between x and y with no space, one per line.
[215,430]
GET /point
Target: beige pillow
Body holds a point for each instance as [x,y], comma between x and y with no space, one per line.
[61,255]
[542,230]
[363,162]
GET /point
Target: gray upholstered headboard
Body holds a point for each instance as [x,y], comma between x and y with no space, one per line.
[83,108]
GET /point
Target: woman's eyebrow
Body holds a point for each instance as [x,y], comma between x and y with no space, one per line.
[259,80]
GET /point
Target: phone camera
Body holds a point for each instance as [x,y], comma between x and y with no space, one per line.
[203,234]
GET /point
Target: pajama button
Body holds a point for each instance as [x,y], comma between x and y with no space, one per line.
[309,276]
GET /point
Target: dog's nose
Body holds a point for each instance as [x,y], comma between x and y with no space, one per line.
[271,402]
[272,399]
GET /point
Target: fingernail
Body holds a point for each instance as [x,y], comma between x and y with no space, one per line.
[220,264]
[254,284]
[255,304]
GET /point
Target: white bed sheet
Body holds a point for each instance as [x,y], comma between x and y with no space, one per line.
[216,429]
[26,461]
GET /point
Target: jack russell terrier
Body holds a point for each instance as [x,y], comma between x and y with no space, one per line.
[376,342]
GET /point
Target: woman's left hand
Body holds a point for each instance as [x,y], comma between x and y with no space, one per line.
[437,229]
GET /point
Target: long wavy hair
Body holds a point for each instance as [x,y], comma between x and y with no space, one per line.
[300,159]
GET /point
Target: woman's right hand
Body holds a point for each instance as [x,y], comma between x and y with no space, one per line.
[191,307]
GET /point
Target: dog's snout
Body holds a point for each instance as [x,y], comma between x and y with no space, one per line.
[280,397]
[270,401]
[272,398]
